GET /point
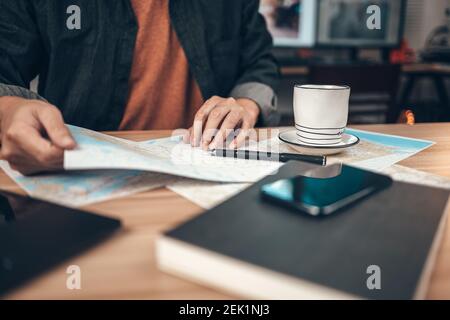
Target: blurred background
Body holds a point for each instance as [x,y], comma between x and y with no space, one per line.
[398,65]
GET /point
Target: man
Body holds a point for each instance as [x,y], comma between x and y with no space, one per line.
[130,64]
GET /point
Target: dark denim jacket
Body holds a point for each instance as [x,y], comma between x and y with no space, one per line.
[85,71]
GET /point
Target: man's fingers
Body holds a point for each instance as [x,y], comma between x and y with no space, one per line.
[244,133]
[53,123]
[200,118]
[23,169]
[27,142]
[27,169]
[216,117]
[196,134]
[231,121]
[187,135]
[26,165]
[206,108]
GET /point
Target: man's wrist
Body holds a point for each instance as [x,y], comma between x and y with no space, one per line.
[7,102]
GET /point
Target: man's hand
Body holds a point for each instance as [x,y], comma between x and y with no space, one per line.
[33,135]
[217,120]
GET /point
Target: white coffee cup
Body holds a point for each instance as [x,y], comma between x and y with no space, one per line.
[321,113]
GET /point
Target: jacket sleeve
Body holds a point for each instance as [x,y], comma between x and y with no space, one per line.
[21,49]
[260,74]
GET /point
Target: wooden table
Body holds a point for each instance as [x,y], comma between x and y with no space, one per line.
[124,266]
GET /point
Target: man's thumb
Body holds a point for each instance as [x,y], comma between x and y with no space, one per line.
[53,123]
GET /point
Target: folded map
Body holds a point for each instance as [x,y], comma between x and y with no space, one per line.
[171,156]
[78,188]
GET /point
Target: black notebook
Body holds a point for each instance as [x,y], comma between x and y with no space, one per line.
[380,248]
[35,236]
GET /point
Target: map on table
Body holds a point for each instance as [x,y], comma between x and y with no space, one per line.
[122,163]
[112,164]
[80,188]
[377,152]
[170,156]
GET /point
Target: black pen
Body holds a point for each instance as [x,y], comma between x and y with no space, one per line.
[269,156]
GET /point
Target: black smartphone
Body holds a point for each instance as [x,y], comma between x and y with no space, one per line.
[324,196]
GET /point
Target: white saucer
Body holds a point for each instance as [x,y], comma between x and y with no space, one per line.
[290,138]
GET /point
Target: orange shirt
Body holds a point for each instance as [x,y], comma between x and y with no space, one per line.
[163,94]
